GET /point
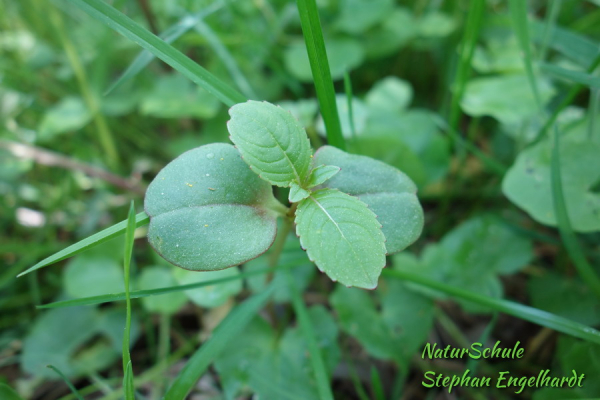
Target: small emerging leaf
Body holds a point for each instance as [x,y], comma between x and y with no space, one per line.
[321,174]
[271,141]
[297,193]
[342,236]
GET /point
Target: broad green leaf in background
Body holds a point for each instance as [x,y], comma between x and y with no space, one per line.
[87,275]
[342,236]
[397,331]
[271,141]
[6,393]
[527,183]
[64,338]
[174,96]
[410,141]
[579,356]
[344,54]
[388,192]
[471,256]
[70,114]
[209,211]
[501,54]
[304,110]
[435,25]
[357,16]
[390,94]
[397,28]
[282,359]
[507,98]
[360,113]
[567,297]
[209,296]
[155,277]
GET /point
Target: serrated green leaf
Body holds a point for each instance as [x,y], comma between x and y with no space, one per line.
[271,141]
[297,193]
[342,236]
[321,174]
[388,192]
[209,211]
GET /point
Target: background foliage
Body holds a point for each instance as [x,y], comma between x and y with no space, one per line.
[471,99]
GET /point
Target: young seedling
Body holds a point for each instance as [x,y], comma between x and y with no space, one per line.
[209,211]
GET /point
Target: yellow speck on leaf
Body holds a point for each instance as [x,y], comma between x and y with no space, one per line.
[189,184]
[222,158]
[213,189]
[206,226]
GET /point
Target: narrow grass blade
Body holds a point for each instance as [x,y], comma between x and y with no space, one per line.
[549,24]
[564,224]
[169,36]
[129,238]
[316,358]
[493,165]
[593,111]
[485,335]
[319,65]
[518,13]
[221,51]
[141,219]
[128,387]
[581,78]
[138,294]
[7,393]
[227,330]
[67,381]
[176,59]
[566,101]
[469,41]
[349,96]
[527,313]
[376,384]
[574,46]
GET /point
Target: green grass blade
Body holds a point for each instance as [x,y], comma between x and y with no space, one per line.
[227,330]
[138,294]
[564,224]
[574,46]
[527,313]
[129,238]
[319,65]
[469,41]
[493,165]
[518,13]
[169,36]
[7,393]
[593,111]
[128,387]
[316,358]
[581,78]
[549,24]
[141,219]
[566,101]
[67,381]
[230,64]
[176,59]
[376,384]
[349,96]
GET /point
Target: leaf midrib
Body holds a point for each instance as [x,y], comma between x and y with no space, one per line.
[341,233]
[279,146]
